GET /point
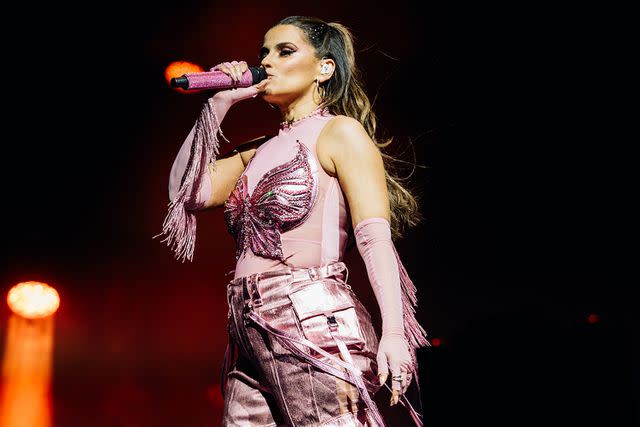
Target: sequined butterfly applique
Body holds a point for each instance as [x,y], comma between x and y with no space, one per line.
[280,202]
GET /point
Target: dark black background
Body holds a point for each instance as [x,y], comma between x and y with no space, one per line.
[518,111]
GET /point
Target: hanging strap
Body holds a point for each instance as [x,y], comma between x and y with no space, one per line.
[350,374]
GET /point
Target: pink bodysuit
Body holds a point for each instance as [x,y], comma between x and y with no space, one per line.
[285,209]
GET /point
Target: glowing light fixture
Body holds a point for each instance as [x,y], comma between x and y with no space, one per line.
[177,69]
[33,300]
[25,388]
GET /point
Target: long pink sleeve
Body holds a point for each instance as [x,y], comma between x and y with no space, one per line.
[190,180]
[394,290]
[196,199]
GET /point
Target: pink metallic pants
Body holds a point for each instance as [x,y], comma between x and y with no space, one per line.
[266,380]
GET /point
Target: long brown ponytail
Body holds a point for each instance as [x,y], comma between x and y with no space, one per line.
[344,94]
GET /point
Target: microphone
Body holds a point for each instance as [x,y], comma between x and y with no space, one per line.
[218,80]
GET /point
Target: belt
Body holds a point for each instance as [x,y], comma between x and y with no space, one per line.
[251,292]
[315,273]
[298,274]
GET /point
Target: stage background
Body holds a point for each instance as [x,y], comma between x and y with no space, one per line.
[526,189]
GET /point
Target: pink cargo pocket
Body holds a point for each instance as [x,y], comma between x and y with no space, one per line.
[317,303]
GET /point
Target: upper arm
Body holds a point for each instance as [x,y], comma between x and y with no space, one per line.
[360,169]
[228,169]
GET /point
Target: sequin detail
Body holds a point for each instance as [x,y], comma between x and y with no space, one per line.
[281,201]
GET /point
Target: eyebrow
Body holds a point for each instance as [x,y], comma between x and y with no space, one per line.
[264,50]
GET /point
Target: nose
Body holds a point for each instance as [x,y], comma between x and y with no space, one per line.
[266,62]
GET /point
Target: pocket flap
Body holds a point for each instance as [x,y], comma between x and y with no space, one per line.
[318,298]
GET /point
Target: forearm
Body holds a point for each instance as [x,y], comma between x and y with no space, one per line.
[190,180]
[391,284]
[373,238]
[198,190]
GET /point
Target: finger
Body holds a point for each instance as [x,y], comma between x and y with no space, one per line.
[241,66]
[237,70]
[383,369]
[244,93]
[396,382]
[220,67]
[382,378]
[395,397]
[396,376]
[227,68]
[261,87]
[238,73]
[232,68]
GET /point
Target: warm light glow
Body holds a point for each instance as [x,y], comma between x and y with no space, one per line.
[179,68]
[593,318]
[33,300]
[25,392]
[436,342]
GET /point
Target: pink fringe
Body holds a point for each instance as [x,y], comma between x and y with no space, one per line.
[179,225]
[414,332]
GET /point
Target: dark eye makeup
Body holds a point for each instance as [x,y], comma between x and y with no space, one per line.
[284,49]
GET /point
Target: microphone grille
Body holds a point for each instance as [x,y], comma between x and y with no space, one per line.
[258,73]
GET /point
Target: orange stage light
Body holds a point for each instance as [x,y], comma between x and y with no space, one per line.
[179,68]
[25,390]
[33,300]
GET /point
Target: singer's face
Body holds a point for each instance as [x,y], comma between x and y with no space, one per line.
[291,64]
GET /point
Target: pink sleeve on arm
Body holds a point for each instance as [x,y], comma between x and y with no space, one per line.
[190,171]
[198,198]
[394,290]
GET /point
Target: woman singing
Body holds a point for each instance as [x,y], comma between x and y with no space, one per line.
[302,349]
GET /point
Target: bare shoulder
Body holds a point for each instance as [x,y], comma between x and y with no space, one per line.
[341,139]
[342,128]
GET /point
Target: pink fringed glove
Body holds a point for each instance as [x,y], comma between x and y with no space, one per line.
[222,102]
[190,177]
[395,293]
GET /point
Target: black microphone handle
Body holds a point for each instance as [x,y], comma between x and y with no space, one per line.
[258,73]
[181,82]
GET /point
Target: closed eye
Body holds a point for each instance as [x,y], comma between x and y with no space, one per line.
[285,49]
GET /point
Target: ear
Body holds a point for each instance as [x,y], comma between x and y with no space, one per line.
[327,66]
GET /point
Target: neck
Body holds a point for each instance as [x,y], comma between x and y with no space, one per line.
[298,109]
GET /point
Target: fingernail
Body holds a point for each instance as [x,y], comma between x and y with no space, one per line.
[394,398]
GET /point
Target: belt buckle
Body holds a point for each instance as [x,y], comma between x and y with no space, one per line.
[255,298]
[332,322]
[313,273]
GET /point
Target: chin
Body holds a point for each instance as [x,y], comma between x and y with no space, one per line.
[270,97]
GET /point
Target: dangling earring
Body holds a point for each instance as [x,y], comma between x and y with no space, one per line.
[316,89]
[320,93]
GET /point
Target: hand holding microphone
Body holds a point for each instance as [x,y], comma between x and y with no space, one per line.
[226,75]
[234,81]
